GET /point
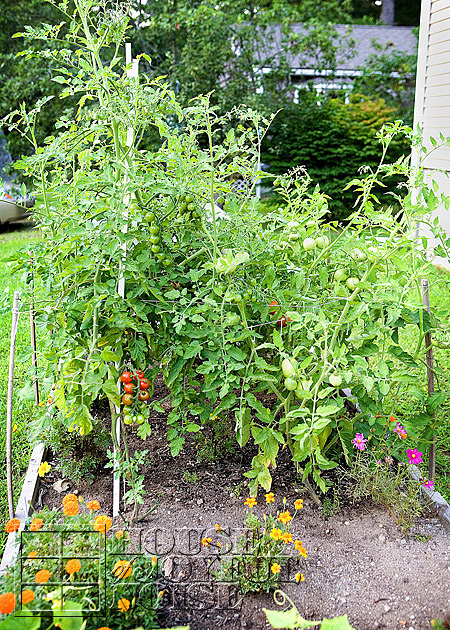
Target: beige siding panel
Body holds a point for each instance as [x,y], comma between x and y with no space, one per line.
[438,27]
[430,120]
[439,16]
[439,79]
[436,90]
[438,5]
[439,42]
[441,59]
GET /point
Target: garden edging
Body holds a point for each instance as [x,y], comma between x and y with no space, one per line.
[28,494]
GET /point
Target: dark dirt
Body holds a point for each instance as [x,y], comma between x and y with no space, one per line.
[358,562]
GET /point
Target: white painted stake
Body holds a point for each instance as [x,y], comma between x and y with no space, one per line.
[12,353]
[132,73]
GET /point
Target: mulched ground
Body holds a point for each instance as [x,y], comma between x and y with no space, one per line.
[358,561]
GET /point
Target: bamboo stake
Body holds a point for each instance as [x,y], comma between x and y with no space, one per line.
[430,379]
[33,345]
[12,352]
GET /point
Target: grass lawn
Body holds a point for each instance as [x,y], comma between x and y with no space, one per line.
[10,242]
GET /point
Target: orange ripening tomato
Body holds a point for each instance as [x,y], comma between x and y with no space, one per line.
[144,395]
[127,400]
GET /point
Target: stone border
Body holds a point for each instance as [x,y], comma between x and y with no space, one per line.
[27,497]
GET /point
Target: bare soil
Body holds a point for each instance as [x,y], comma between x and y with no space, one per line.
[358,562]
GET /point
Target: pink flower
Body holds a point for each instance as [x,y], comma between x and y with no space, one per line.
[359,442]
[427,483]
[401,431]
[414,456]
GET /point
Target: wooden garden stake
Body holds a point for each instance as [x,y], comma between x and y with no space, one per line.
[430,379]
[12,352]
[33,345]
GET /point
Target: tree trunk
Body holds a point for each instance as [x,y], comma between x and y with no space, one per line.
[388,12]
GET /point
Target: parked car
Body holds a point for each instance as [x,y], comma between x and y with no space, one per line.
[14,209]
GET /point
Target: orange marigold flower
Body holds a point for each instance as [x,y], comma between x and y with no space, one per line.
[33,554]
[218,528]
[206,541]
[104,628]
[122,569]
[42,576]
[71,508]
[93,505]
[72,566]
[391,418]
[69,497]
[285,517]
[298,504]
[154,561]
[270,497]
[299,577]
[298,545]
[275,568]
[12,525]
[250,502]
[7,603]
[102,524]
[123,604]
[36,524]
[119,534]
[276,533]
[287,537]
[27,596]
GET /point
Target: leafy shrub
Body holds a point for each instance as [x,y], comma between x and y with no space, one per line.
[332,140]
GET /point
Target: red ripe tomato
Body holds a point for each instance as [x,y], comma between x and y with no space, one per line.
[127,400]
[128,387]
[144,395]
[283,321]
[139,373]
[126,377]
[273,303]
[144,383]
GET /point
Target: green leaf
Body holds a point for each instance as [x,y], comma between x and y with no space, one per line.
[243,423]
[265,479]
[66,618]
[283,618]
[403,356]
[338,623]
[236,353]
[144,431]
[277,339]
[21,621]
[109,388]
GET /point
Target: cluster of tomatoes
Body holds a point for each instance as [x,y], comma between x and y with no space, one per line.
[135,396]
[283,320]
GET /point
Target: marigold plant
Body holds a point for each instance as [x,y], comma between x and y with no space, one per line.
[102,524]
[73,566]
[12,525]
[27,596]
[36,524]
[7,603]
[93,505]
[122,569]
[71,508]
[42,576]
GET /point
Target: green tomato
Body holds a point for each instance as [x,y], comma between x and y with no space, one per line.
[288,369]
[189,199]
[140,419]
[294,236]
[293,224]
[358,255]
[155,249]
[309,244]
[290,384]
[340,275]
[352,283]
[149,216]
[154,229]
[322,242]
[126,411]
[154,239]
[128,419]
[335,380]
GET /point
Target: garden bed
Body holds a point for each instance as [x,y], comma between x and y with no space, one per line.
[358,561]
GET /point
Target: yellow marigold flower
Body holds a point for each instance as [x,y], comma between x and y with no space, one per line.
[12,525]
[285,517]
[276,533]
[218,528]
[250,502]
[7,603]
[42,576]
[302,552]
[15,427]
[73,566]
[69,497]
[71,508]
[93,505]
[298,545]
[27,596]
[161,593]
[44,468]
[298,504]
[287,537]
[206,541]
[122,569]
[270,497]
[299,577]
[119,534]
[123,604]
[32,554]
[36,524]
[275,568]
[102,524]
